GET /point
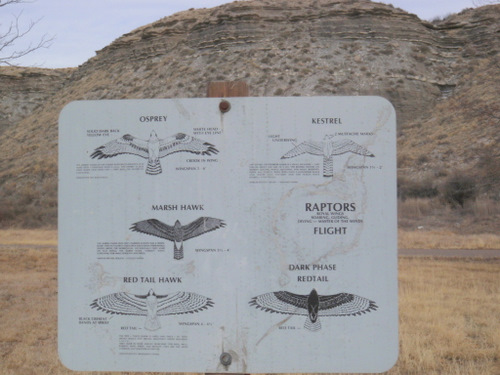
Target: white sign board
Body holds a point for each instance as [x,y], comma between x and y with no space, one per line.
[266,232]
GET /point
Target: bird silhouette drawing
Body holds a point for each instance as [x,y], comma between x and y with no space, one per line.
[152,305]
[154,148]
[178,233]
[313,305]
[328,148]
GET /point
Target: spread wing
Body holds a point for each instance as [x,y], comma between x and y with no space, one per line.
[344,304]
[346,145]
[154,227]
[182,303]
[127,144]
[310,147]
[183,142]
[281,302]
[200,226]
[121,303]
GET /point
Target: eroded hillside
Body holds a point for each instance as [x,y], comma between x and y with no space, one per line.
[443,79]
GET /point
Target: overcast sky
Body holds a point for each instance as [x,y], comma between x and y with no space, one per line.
[80,28]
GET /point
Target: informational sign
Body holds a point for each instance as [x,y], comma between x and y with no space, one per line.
[228,235]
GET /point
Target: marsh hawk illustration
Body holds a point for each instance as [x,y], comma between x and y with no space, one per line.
[178,233]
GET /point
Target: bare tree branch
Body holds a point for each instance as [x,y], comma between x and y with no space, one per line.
[14,33]
[9,2]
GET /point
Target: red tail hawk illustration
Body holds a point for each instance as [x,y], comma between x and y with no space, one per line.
[328,149]
[154,148]
[178,233]
[313,305]
[152,305]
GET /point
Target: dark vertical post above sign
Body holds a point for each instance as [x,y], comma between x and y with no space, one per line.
[225,89]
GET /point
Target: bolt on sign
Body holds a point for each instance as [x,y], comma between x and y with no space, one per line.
[240,235]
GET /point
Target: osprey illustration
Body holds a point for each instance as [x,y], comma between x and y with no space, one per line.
[328,149]
[152,305]
[178,233]
[313,305]
[154,148]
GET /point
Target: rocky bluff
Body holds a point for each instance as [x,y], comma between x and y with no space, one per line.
[441,76]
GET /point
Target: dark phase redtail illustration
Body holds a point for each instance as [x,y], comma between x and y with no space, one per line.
[313,305]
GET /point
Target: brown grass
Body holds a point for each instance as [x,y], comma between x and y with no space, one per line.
[446,239]
[407,239]
[32,237]
[449,314]
[479,216]
[449,317]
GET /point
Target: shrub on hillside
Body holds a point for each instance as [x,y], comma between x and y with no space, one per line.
[489,172]
[459,188]
[421,188]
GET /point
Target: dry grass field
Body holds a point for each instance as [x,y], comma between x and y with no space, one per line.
[446,239]
[449,312]
[407,239]
[30,237]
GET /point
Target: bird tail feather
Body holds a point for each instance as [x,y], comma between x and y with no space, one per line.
[152,323]
[154,166]
[316,326]
[328,167]
[178,252]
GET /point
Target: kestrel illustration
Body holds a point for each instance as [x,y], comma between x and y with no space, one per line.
[154,148]
[178,233]
[328,148]
[152,305]
[313,305]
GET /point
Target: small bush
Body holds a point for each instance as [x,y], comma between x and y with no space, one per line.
[415,208]
[422,159]
[423,188]
[485,208]
[459,188]
[388,50]
[489,171]
[403,160]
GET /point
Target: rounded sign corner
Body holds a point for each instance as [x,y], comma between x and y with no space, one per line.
[67,108]
[392,360]
[66,362]
[385,101]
